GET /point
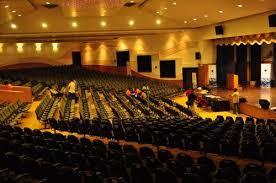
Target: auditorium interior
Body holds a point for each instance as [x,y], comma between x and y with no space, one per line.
[138,91]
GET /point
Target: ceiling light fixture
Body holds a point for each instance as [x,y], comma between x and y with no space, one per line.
[158,12]
[48,2]
[6,6]
[44,25]
[158,21]
[206,16]
[194,19]
[240,5]
[19,15]
[13,26]
[185,22]
[131,23]
[103,23]
[174,3]
[165,8]
[13,11]
[74,24]
[220,11]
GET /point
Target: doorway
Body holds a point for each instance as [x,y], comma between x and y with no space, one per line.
[122,58]
[76,58]
[190,78]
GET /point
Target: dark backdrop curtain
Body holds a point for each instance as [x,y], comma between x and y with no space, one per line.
[274,64]
[256,51]
[225,63]
[241,66]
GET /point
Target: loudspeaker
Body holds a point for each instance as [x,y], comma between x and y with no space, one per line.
[272,20]
[264,104]
[219,30]
[197,55]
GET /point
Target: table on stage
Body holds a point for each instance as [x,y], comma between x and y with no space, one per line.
[217,103]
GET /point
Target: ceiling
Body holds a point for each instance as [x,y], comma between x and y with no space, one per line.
[27,16]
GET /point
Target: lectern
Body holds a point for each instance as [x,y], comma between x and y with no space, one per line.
[232,81]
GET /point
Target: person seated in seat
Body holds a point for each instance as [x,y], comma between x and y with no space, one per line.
[128,93]
[191,100]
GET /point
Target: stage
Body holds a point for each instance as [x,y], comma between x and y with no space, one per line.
[252,95]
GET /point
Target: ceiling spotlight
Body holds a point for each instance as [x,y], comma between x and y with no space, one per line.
[165,8]
[19,15]
[48,2]
[158,12]
[131,1]
[194,19]
[6,6]
[103,23]
[185,22]
[158,21]
[44,25]
[13,26]
[206,16]
[13,11]
[174,3]
[131,23]
[220,11]
[74,24]
[240,5]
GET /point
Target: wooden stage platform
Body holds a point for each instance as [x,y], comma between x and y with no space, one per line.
[252,95]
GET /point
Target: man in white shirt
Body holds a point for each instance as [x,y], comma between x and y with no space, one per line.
[236,101]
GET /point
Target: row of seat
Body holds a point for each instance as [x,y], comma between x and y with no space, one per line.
[12,113]
[61,75]
[67,109]
[48,157]
[47,107]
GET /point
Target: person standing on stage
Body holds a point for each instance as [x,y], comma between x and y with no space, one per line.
[236,100]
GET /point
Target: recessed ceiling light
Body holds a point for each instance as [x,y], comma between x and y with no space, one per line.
[240,5]
[131,1]
[185,22]
[103,23]
[165,8]
[48,2]
[206,16]
[13,11]
[13,26]
[158,12]
[220,11]
[74,24]
[6,6]
[174,3]
[158,21]
[194,19]
[131,23]
[19,15]
[44,25]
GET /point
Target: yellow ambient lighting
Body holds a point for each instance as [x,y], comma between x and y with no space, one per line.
[13,26]
[131,23]
[19,47]
[74,24]
[158,22]
[44,25]
[55,47]
[103,23]
[38,47]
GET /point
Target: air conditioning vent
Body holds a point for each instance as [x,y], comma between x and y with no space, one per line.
[49,6]
[129,4]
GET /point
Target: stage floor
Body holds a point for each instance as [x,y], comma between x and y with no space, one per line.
[252,95]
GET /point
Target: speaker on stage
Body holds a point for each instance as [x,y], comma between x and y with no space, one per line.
[219,30]
[264,103]
[272,20]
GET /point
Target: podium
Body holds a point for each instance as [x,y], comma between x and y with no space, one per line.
[232,81]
